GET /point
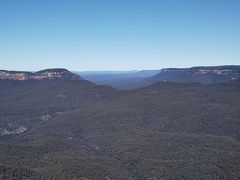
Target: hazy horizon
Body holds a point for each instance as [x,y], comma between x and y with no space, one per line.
[112,70]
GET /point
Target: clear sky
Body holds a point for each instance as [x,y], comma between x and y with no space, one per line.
[118,34]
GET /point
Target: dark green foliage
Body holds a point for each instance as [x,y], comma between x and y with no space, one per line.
[18,173]
[178,156]
[78,130]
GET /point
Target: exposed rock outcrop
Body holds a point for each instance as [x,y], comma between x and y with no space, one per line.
[205,75]
[50,74]
[19,130]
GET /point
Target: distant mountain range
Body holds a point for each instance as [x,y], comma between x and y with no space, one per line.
[133,73]
[201,74]
[138,79]
[134,79]
[118,79]
[49,74]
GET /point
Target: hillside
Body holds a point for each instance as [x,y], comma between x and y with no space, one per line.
[32,103]
[71,129]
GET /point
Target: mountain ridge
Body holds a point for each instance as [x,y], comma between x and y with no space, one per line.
[200,74]
[137,79]
[46,74]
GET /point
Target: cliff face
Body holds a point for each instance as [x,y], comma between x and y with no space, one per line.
[49,74]
[206,75]
[224,70]
[12,75]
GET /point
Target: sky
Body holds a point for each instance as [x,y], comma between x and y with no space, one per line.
[88,35]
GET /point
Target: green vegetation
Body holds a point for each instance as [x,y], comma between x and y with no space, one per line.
[77,130]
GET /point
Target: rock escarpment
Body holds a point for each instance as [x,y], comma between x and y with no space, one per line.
[48,74]
[205,75]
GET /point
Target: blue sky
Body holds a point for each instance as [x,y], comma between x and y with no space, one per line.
[118,34]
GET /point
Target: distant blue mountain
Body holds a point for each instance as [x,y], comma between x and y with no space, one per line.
[138,79]
[133,73]
[118,79]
